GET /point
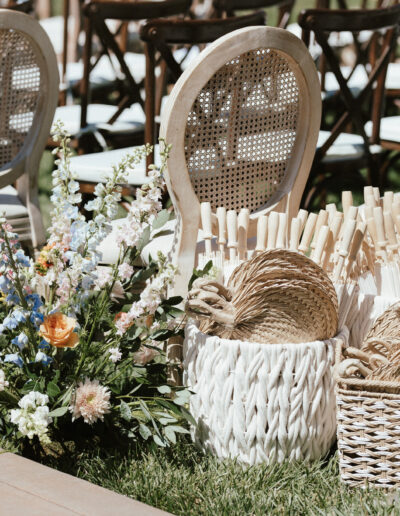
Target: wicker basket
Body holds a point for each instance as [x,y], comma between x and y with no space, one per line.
[261,402]
[368,435]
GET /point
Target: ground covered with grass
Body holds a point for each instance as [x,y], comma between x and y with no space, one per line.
[185,482]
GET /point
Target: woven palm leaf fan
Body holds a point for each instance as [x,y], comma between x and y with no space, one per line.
[276,297]
[384,336]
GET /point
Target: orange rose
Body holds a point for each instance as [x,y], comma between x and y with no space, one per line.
[58,330]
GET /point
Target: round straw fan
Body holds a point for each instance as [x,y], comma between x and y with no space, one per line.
[276,297]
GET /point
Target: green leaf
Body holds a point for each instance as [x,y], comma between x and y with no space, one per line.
[170,434]
[179,429]
[144,239]
[144,431]
[58,412]
[174,300]
[183,395]
[164,389]
[161,219]
[144,408]
[125,411]
[53,389]
[159,441]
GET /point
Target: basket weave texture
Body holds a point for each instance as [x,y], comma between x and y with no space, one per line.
[261,402]
[368,433]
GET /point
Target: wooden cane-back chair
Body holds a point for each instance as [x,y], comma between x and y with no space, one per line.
[243,123]
[28,97]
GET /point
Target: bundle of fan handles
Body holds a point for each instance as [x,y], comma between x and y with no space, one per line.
[357,249]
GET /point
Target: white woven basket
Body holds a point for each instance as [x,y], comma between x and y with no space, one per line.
[261,402]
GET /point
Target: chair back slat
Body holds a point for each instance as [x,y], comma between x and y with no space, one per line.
[233,7]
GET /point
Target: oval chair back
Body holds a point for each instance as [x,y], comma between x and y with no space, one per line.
[28,91]
[243,122]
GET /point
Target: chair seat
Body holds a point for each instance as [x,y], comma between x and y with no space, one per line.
[389,129]
[392,81]
[106,70]
[346,146]
[130,120]
[94,168]
[11,204]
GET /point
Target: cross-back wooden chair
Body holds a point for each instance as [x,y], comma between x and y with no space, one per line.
[161,37]
[383,23]
[23,6]
[96,13]
[28,97]
[165,34]
[226,8]
[243,122]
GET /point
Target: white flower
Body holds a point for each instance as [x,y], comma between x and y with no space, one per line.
[32,417]
[115,354]
[90,401]
[3,382]
[125,271]
[104,277]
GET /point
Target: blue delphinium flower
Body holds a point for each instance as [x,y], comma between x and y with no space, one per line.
[10,322]
[21,341]
[43,358]
[14,358]
[44,344]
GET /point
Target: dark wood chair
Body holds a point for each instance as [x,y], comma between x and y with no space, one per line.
[119,121]
[356,109]
[96,13]
[226,8]
[162,36]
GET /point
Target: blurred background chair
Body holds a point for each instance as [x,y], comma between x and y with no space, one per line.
[161,38]
[28,97]
[344,148]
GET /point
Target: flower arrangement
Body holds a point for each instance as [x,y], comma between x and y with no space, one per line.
[80,348]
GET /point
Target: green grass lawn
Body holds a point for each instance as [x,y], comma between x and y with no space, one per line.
[184,482]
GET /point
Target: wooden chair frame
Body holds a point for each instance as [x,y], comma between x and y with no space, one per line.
[161,35]
[24,167]
[324,21]
[287,197]
[96,13]
[226,8]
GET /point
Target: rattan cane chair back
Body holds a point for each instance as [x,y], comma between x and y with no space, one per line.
[243,123]
[28,98]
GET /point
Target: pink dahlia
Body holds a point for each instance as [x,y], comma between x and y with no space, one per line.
[90,401]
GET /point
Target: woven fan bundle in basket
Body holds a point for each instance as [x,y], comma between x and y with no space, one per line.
[276,297]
